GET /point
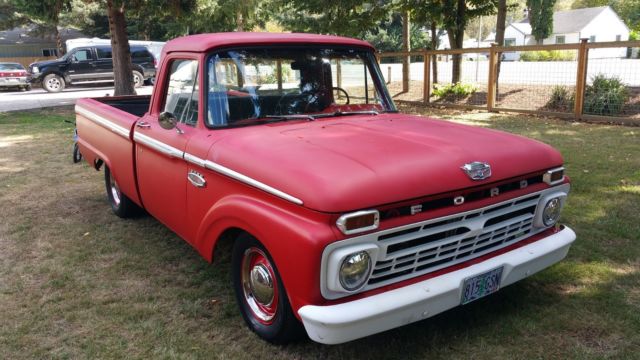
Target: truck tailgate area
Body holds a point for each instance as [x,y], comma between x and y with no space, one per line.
[104,136]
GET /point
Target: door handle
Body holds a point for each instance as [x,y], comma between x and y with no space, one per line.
[196,179]
[143,125]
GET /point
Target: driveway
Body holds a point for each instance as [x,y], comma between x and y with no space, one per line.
[11,100]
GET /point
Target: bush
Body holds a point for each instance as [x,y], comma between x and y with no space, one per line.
[562,98]
[458,90]
[605,96]
[548,55]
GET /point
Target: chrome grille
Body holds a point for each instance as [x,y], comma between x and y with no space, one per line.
[432,245]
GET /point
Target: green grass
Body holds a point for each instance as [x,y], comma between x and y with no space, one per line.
[78,282]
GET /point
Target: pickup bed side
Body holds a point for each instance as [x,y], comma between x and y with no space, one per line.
[114,148]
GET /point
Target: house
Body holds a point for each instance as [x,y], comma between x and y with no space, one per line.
[26,46]
[596,24]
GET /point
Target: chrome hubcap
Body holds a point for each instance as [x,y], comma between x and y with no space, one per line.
[259,285]
[115,191]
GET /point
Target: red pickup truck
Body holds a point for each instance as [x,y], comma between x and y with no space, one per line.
[347,218]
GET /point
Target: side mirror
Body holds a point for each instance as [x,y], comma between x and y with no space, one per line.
[167,120]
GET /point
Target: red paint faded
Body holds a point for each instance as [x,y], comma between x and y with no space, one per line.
[334,165]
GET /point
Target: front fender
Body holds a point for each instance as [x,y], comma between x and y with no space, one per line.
[294,236]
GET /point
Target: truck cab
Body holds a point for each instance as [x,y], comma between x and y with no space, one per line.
[347,218]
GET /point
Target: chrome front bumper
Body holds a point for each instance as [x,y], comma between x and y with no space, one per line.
[348,321]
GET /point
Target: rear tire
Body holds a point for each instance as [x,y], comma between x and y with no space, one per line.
[260,294]
[53,83]
[120,203]
[138,79]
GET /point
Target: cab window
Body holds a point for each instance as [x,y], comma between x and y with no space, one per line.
[182,93]
[82,55]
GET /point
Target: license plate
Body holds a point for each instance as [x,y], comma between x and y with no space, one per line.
[481,285]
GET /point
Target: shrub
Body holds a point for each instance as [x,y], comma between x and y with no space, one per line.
[605,95]
[562,98]
[457,89]
[548,55]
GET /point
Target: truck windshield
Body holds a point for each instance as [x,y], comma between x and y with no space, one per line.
[259,85]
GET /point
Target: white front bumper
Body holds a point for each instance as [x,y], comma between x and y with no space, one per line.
[344,322]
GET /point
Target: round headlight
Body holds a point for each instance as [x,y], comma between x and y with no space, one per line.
[354,270]
[551,212]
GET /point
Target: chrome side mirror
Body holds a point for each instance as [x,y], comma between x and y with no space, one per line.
[167,120]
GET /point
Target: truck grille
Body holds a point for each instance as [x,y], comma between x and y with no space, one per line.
[432,245]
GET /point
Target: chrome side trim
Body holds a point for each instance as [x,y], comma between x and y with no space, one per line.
[157,145]
[207,164]
[124,132]
[176,153]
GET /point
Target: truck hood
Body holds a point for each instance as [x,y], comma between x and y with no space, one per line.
[358,162]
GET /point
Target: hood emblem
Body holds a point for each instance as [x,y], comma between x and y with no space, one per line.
[477,170]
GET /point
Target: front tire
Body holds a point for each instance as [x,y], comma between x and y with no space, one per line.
[138,79]
[120,203]
[260,293]
[53,83]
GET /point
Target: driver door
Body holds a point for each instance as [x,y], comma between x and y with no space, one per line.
[161,169]
[82,66]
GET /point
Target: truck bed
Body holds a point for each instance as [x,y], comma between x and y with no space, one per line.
[134,105]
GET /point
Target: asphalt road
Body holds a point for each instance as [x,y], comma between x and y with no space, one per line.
[11,100]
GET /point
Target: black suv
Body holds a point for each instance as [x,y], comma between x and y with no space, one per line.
[91,64]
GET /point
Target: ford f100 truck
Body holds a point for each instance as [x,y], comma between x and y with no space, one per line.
[347,218]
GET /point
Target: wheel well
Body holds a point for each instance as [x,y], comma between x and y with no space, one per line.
[97,164]
[224,244]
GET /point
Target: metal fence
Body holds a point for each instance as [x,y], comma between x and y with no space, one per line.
[584,81]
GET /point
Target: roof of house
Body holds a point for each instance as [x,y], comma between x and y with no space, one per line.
[25,35]
[565,22]
[205,42]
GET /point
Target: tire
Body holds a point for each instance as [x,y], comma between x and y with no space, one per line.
[270,317]
[120,203]
[53,83]
[77,156]
[138,79]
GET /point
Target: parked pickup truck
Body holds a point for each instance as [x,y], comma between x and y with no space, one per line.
[90,64]
[347,218]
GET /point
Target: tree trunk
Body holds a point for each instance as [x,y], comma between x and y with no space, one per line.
[434,46]
[500,27]
[121,56]
[406,46]
[58,40]
[456,37]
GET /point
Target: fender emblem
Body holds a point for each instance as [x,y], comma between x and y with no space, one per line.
[477,170]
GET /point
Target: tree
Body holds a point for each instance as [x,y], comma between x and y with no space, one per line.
[43,15]
[116,12]
[541,18]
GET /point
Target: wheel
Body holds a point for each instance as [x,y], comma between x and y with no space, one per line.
[77,156]
[53,83]
[138,79]
[28,87]
[120,203]
[260,293]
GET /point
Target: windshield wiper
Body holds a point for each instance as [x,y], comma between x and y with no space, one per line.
[274,118]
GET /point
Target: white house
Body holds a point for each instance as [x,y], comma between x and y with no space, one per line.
[596,24]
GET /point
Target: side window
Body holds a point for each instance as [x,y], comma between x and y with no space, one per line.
[104,53]
[183,91]
[82,55]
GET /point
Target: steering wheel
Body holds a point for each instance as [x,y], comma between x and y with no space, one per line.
[339,89]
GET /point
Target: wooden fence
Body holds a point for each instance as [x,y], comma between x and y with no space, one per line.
[26,60]
[575,75]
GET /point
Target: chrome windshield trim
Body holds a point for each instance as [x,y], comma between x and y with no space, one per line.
[157,145]
[124,132]
[207,164]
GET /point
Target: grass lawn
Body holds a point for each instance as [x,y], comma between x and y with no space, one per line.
[78,282]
